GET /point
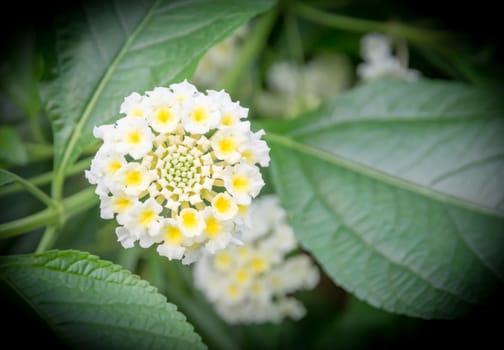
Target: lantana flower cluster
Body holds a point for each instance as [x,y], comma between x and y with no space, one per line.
[180,170]
[294,88]
[219,58]
[380,62]
[251,283]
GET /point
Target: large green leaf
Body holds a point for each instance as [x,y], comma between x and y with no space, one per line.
[396,188]
[108,49]
[94,304]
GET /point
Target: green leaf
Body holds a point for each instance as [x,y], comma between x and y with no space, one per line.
[12,149]
[109,49]
[396,189]
[91,303]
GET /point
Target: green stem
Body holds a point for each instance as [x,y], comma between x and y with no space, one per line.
[294,37]
[294,40]
[48,238]
[71,206]
[29,223]
[36,128]
[39,151]
[47,177]
[254,44]
[30,187]
[413,34]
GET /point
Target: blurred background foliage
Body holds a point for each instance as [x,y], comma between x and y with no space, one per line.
[470,52]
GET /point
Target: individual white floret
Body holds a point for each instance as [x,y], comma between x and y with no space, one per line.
[173,240]
[200,114]
[134,105]
[163,112]
[191,222]
[243,181]
[135,137]
[224,206]
[132,179]
[228,144]
[143,218]
[256,150]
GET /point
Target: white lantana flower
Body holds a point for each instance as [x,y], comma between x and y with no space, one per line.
[379,60]
[133,105]
[243,182]
[179,170]
[250,283]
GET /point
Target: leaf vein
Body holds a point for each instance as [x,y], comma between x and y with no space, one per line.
[465,166]
[352,230]
[94,98]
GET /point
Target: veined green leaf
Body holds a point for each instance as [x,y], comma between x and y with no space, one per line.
[109,49]
[396,189]
[94,304]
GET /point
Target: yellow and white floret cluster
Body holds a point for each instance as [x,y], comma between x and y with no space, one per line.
[380,61]
[180,169]
[251,283]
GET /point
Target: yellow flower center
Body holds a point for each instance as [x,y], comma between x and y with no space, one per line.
[133,178]
[213,228]
[240,183]
[222,204]
[146,217]
[189,219]
[199,114]
[242,276]
[113,166]
[173,235]
[222,260]
[258,264]
[134,137]
[164,114]
[121,204]
[249,156]
[227,145]
[227,120]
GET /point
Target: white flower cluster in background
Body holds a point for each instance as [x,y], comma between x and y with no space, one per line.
[252,283]
[293,88]
[379,61]
[219,58]
[179,169]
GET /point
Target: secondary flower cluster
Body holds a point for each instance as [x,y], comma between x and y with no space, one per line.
[179,169]
[379,61]
[294,88]
[250,283]
[219,58]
